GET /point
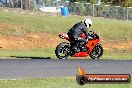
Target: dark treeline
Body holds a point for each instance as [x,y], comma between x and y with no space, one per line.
[125,3]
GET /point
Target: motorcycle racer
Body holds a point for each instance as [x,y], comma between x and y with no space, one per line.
[76,31]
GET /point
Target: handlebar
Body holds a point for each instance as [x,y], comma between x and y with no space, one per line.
[92,35]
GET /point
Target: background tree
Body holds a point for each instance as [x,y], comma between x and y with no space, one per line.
[126,3]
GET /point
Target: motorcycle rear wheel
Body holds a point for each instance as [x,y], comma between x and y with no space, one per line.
[63,50]
[97,52]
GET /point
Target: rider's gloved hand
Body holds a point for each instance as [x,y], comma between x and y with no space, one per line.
[87,35]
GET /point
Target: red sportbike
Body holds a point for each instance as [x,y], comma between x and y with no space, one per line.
[93,48]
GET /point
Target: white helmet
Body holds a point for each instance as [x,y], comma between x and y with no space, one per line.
[88,22]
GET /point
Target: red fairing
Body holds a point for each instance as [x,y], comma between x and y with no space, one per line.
[81,54]
[83,35]
[67,37]
[91,44]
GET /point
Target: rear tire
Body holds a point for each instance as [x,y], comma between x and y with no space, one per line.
[64,49]
[97,52]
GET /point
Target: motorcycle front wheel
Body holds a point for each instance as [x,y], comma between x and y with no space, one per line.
[97,52]
[63,50]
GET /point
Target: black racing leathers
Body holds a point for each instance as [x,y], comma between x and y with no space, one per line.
[75,33]
[77,30]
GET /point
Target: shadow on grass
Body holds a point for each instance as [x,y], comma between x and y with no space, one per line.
[31,57]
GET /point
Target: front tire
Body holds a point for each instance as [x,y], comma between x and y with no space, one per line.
[63,50]
[97,52]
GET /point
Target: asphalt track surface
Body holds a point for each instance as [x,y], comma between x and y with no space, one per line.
[43,68]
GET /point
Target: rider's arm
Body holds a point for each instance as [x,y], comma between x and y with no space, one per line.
[79,39]
[85,32]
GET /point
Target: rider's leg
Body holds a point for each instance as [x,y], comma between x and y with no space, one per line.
[80,45]
[75,47]
[79,42]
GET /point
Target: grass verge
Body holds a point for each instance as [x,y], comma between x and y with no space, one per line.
[49,52]
[55,83]
[21,24]
[44,53]
[17,24]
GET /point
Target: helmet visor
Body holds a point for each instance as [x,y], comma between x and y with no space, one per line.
[89,25]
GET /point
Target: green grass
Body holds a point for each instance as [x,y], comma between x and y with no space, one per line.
[50,52]
[55,83]
[44,53]
[107,28]
[110,54]
[116,30]
[38,23]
